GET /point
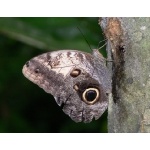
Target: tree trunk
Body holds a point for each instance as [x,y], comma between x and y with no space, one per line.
[129,103]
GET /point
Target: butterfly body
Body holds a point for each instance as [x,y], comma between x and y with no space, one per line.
[78,81]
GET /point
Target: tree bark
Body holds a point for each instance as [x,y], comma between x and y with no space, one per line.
[129,103]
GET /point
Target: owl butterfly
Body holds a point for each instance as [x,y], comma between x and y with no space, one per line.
[79,81]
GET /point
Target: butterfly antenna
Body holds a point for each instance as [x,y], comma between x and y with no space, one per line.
[85,38]
[101,41]
[102,46]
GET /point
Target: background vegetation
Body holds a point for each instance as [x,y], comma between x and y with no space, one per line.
[24,107]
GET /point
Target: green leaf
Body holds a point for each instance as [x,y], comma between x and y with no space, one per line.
[53,33]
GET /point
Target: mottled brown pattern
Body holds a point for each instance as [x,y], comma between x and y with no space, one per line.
[79,56]
[88,57]
[48,56]
[68,88]
[68,54]
[56,63]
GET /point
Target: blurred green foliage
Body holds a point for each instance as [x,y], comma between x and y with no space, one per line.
[24,107]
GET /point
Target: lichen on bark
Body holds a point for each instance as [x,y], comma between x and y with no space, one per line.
[129,103]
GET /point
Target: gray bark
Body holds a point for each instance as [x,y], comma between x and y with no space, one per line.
[129,103]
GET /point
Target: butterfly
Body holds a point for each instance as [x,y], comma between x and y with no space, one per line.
[79,81]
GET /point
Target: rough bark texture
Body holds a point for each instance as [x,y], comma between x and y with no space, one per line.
[129,104]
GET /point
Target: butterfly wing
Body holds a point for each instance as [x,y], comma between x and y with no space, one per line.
[73,79]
